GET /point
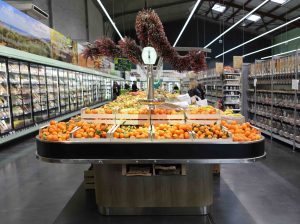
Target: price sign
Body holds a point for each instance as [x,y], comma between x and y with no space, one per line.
[122,64]
[254,82]
[237,62]
[295,84]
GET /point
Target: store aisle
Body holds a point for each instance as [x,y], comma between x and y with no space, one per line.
[265,192]
[269,190]
[33,191]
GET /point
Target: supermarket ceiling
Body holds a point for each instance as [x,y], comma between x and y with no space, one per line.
[270,15]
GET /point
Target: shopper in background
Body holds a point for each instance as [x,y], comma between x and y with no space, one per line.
[115,90]
[202,91]
[118,89]
[196,90]
[134,87]
[175,89]
[127,87]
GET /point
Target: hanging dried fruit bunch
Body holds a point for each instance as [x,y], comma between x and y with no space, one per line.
[150,32]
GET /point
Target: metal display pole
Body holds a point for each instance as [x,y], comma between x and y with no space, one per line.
[150,83]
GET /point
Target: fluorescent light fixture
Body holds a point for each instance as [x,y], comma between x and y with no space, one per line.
[287,52]
[275,45]
[238,22]
[259,36]
[218,7]
[253,18]
[187,21]
[111,21]
[280,1]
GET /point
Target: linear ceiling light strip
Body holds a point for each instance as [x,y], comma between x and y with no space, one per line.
[238,22]
[263,49]
[187,21]
[111,21]
[287,52]
[259,36]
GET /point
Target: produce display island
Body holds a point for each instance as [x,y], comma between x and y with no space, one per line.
[151,160]
[187,190]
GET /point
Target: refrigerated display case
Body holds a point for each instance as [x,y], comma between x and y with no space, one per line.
[108,89]
[79,90]
[5,115]
[64,91]
[20,94]
[35,89]
[85,87]
[72,91]
[52,89]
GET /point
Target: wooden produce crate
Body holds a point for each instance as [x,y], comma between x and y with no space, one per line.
[168,118]
[98,118]
[203,122]
[89,179]
[229,119]
[133,119]
[216,169]
[190,116]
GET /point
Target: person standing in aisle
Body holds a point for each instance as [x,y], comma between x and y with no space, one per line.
[134,87]
[175,89]
[116,90]
[196,90]
[201,89]
[127,87]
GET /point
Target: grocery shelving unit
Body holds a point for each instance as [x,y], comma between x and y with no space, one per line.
[34,89]
[272,102]
[226,87]
[232,88]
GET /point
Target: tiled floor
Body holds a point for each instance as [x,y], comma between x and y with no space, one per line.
[32,191]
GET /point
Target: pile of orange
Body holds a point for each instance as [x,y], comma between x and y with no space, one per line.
[242,132]
[132,131]
[90,130]
[98,111]
[176,131]
[203,110]
[213,131]
[57,131]
[165,111]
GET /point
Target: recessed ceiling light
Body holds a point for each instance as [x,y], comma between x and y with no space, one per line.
[253,18]
[280,1]
[218,7]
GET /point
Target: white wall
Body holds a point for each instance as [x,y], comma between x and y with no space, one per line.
[69,18]
[95,21]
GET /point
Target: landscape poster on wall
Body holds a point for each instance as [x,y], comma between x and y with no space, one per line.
[63,48]
[20,31]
